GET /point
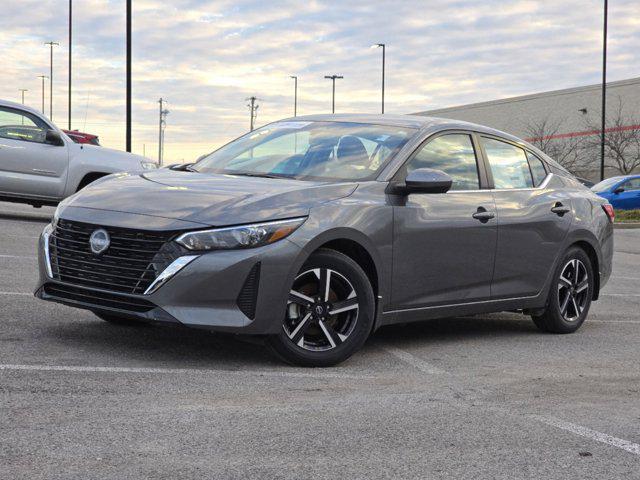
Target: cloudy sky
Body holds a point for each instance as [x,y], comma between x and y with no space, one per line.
[206,56]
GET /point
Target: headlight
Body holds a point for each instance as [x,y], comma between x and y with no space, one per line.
[148,165]
[243,236]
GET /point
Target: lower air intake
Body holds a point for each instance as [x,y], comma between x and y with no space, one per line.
[248,295]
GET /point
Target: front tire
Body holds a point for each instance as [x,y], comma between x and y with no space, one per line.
[570,294]
[330,312]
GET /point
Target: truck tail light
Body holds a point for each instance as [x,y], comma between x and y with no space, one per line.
[608,209]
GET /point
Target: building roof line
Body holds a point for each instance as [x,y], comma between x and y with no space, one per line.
[532,96]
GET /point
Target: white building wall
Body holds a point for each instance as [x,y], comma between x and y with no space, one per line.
[514,115]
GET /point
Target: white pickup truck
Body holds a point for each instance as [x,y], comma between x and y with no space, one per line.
[41,165]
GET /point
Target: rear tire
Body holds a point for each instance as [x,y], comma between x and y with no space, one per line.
[116,320]
[326,321]
[570,294]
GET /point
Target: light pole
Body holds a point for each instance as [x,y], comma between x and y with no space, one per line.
[22,90]
[604,89]
[295,95]
[43,77]
[162,122]
[128,127]
[333,79]
[51,45]
[69,89]
[384,48]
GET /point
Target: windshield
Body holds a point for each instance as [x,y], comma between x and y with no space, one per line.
[309,150]
[605,184]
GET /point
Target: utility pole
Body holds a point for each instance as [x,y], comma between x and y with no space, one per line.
[253,107]
[43,77]
[128,127]
[51,45]
[162,123]
[384,47]
[604,89]
[295,95]
[333,95]
[23,90]
[69,89]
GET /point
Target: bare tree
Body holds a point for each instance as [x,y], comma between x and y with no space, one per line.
[567,150]
[621,140]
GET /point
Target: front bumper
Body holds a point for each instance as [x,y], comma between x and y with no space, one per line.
[214,291]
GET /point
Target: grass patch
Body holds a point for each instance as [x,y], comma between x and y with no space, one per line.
[627,215]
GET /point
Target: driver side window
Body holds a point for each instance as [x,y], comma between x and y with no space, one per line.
[18,125]
[631,185]
[453,154]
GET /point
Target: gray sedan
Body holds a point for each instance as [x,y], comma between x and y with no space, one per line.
[313,232]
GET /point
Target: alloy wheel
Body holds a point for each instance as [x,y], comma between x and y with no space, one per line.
[573,290]
[322,310]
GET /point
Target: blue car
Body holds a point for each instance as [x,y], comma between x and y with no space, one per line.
[622,192]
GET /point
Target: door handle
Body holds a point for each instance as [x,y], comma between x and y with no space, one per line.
[560,209]
[482,215]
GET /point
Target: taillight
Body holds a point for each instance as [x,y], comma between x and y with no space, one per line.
[608,209]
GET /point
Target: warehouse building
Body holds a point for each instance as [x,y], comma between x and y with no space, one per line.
[565,124]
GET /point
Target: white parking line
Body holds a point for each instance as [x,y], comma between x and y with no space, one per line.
[16,293]
[620,294]
[414,361]
[152,370]
[588,433]
[616,277]
[19,256]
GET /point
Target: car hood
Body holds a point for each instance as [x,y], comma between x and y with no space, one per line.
[210,199]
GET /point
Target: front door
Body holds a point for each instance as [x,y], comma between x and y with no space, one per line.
[28,165]
[442,254]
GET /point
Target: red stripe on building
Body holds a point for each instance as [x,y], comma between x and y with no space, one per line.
[583,134]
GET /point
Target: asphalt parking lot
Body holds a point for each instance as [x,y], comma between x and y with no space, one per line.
[483,397]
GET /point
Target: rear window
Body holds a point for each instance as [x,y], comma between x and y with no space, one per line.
[538,171]
[509,165]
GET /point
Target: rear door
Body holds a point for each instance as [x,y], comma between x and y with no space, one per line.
[442,255]
[28,165]
[534,215]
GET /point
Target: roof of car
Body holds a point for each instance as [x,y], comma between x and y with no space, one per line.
[7,103]
[408,121]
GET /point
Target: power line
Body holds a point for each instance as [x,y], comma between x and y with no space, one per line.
[253,111]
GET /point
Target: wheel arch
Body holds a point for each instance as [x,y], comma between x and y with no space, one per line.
[592,253]
[89,178]
[360,249]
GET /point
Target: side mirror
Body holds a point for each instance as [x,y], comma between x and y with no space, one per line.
[618,190]
[54,138]
[427,180]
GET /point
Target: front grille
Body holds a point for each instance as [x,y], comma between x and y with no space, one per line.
[95,298]
[131,263]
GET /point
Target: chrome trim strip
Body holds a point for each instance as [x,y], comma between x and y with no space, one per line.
[173,268]
[47,260]
[459,304]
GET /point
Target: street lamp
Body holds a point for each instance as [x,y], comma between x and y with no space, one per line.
[604,89]
[128,75]
[43,77]
[384,48]
[22,90]
[295,95]
[51,45]
[333,95]
[69,89]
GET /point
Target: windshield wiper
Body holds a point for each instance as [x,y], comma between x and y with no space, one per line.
[260,175]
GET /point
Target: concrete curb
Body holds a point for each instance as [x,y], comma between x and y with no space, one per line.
[625,225]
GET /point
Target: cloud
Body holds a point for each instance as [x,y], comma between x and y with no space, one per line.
[206,57]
